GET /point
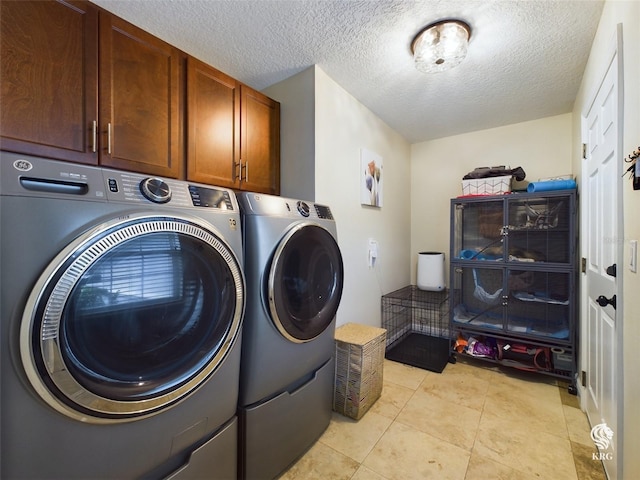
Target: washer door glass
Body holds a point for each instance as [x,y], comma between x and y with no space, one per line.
[136,317]
[305,282]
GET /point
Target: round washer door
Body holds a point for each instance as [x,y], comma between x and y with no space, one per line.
[133,316]
[305,282]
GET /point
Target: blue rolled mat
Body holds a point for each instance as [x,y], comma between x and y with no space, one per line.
[475,255]
[551,185]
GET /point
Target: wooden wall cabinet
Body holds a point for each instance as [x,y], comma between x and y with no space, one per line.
[139,100]
[49,79]
[70,94]
[260,142]
[213,126]
[233,137]
[80,84]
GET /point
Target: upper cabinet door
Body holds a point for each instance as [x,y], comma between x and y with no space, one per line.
[213,126]
[49,73]
[260,144]
[139,100]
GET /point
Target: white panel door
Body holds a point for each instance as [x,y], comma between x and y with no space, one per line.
[604,233]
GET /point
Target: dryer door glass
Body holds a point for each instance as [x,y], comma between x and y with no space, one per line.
[305,282]
[149,311]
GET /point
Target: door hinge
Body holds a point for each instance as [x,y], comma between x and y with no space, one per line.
[583,265]
[583,378]
[584,151]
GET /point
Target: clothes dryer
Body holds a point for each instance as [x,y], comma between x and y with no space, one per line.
[122,299]
[294,273]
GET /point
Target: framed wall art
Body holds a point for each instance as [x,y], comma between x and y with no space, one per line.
[371,178]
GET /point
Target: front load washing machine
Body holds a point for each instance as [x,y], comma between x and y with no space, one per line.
[122,300]
[294,273]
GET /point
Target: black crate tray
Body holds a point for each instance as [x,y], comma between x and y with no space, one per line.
[422,351]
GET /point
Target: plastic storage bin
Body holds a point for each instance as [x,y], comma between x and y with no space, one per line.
[487,186]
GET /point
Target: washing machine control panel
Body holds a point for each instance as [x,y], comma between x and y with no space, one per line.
[156,190]
[210,197]
[133,187]
[40,177]
[137,188]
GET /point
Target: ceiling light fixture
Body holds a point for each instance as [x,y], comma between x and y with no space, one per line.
[441,46]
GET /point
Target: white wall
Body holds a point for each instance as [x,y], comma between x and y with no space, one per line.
[626,13]
[541,147]
[545,147]
[341,127]
[297,118]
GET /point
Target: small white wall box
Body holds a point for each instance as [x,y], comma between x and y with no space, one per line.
[359,368]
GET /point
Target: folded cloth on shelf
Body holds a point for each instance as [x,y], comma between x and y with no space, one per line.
[539,297]
[487,172]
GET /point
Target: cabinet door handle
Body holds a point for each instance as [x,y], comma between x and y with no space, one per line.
[109,138]
[237,171]
[94,136]
[246,171]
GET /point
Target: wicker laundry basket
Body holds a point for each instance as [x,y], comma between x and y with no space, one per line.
[359,364]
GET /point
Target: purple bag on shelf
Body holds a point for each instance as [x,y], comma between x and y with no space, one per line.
[479,349]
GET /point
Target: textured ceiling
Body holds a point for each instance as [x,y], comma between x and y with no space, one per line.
[525,58]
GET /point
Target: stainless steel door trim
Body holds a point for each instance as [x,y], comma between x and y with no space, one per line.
[271,285]
[87,249]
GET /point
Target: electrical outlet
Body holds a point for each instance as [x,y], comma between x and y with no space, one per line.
[633,255]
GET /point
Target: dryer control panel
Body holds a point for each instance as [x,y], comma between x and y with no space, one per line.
[308,209]
[263,204]
[323,212]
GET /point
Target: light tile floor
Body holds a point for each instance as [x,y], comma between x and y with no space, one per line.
[471,422]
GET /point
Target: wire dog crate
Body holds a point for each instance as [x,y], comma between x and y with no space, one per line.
[418,329]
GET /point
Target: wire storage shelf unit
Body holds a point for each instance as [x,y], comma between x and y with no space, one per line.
[513,276]
[418,328]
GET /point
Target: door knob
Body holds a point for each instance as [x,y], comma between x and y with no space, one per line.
[611,270]
[604,301]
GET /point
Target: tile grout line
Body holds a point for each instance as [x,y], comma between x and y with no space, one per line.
[475,439]
[566,425]
[395,418]
[574,453]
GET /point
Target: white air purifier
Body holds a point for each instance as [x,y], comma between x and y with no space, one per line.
[431,271]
